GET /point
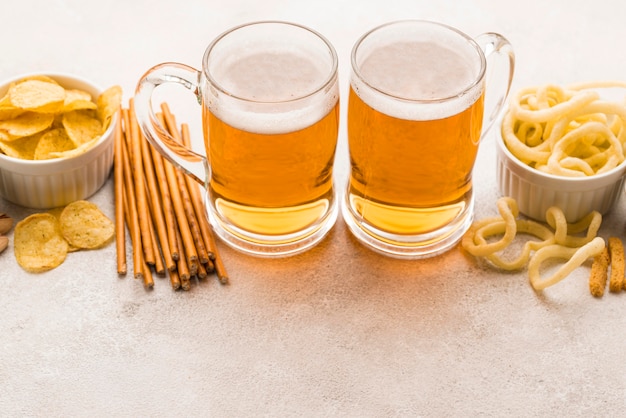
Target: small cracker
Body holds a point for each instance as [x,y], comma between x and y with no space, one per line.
[599,273]
[616,251]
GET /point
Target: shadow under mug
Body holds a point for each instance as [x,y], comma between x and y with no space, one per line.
[269,94]
[415,119]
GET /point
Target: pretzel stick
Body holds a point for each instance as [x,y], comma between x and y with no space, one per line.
[148,281]
[120,232]
[174,279]
[202,270]
[159,265]
[179,210]
[183,269]
[205,227]
[156,208]
[203,255]
[168,210]
[131,219]
[135,239]
[140,186]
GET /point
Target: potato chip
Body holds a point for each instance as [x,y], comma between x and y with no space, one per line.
[84,226]
[38,104]
[76,151]
[38,77]
[108,103]
[7,110]
[56,212]
[37,96]
[38,243]
[26,124]
[77,100]
[23,148]
[81,126]
[55,140]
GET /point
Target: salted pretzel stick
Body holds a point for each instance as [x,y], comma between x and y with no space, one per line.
[156,207]
[205,227]
[148,280]
[203,255]
[159,265]
[183,269]
[196,201]
[140,187]
[166,200]
[118,175]
[179,210]
[135,239]
[599,273]
[202,270]
[174,279]
[616,253]
[133,225]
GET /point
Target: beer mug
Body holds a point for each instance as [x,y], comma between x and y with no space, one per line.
[269,94]
[415,120]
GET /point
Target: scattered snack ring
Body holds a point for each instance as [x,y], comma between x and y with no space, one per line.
[575,258]
[558,242]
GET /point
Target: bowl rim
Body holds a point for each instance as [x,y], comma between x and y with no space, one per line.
[547,179]
[61,78]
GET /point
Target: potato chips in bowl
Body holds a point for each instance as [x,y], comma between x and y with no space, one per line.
[56,138]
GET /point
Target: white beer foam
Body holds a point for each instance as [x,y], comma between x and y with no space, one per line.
[430,79]
[284,103]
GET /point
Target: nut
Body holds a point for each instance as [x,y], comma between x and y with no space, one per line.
[4,243]
[6,222]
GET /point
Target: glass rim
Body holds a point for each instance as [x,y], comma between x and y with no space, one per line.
[330,78]
[471,42]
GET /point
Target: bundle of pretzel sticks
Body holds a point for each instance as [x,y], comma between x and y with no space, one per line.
[162,209]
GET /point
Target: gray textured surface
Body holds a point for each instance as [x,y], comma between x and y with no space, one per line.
[338,331]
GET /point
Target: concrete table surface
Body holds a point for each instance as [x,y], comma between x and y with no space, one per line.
[336,331]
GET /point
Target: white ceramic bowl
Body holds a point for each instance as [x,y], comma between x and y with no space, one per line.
[536,191]
[51,183]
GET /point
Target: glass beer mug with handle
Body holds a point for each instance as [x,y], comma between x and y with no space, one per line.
[415,119]
[270,114]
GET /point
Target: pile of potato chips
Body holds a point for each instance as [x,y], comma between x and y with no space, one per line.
[43,240]
[40,119]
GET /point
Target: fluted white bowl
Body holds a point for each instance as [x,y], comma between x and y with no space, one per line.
[44,184]
[536,191]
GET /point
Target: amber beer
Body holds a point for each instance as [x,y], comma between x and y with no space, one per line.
[271,160]
[415,117]
[411,176]
[269,94]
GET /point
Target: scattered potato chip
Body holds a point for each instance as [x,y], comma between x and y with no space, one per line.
[38,243]
[37,96]
[55,140]
[81,126]
[26,124]
[108,103]
[83,225]
[38,104]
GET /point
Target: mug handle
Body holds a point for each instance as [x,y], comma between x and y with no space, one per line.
[194,164]
[499,52]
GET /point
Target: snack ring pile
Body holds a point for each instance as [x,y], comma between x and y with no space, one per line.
[570,131]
